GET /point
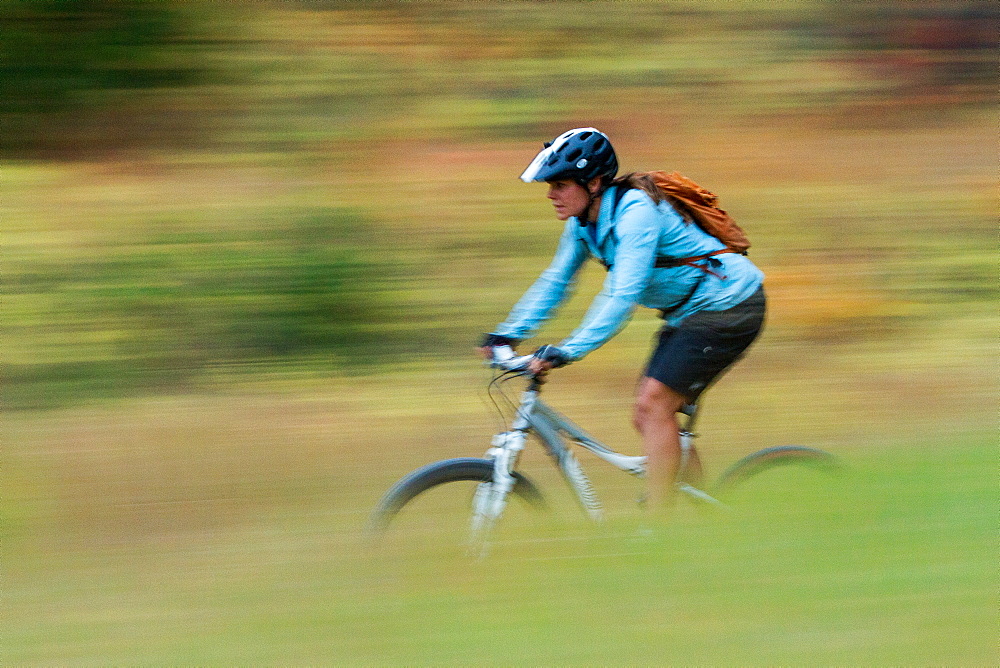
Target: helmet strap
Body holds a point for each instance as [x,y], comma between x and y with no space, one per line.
[584,215]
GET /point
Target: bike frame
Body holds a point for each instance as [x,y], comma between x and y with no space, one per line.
[496,476]
[553,430]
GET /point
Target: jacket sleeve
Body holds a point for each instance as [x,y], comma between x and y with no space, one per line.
[638,231]
[550,289]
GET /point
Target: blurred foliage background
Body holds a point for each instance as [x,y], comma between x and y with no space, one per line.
[196,186]
[247,248]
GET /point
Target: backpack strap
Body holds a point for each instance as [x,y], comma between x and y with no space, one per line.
[617,198]
[669,262]
[663,262]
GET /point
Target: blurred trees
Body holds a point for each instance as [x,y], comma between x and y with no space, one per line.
[84,77]
[332,94]
[925,52]
[157,312]
[165,302]
[74,70]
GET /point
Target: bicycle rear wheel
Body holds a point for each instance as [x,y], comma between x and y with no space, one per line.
[459,470]
[770,458]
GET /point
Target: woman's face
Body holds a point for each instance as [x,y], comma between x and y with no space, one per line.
[568,197]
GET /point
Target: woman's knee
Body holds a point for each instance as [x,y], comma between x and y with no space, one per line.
[655,401]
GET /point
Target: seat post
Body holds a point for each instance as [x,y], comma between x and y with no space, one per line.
[691,411]
[687,437]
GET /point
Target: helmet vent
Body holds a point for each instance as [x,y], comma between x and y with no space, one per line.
[585,135]
[574,154]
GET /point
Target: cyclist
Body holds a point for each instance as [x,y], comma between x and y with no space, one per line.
[712,311]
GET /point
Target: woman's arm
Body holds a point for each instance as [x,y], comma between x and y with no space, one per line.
[638,230]
[549,290]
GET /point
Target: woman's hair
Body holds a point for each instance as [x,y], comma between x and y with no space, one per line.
[643,182]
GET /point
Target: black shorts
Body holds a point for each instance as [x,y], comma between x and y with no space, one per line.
[689,357]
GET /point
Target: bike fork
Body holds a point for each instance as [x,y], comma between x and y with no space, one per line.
[490,498]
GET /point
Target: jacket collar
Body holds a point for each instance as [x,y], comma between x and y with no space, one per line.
[604,220]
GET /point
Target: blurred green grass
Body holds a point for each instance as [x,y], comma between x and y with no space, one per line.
[891,564]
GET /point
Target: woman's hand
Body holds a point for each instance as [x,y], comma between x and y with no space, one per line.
[539,368]
[546,358]
[491,341]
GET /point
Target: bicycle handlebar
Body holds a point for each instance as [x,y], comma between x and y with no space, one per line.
[504,358]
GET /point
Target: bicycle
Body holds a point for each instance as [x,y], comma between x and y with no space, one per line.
[496,476]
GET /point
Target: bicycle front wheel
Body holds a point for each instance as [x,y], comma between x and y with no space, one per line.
[460,470]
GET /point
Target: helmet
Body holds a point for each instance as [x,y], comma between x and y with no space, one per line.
[579,154]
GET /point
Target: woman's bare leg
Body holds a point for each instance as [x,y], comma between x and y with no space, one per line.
[656,408]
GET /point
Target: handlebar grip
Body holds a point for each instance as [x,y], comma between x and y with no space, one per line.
[503,353]
[505,358]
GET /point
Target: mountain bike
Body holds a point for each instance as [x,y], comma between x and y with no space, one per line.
[495,476]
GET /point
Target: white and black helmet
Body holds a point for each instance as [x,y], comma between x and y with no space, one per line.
[579,155]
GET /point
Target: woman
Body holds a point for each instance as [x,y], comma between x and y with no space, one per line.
[713,311]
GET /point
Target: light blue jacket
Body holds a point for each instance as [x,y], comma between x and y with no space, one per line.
[629,239]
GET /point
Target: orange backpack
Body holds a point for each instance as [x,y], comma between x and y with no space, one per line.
[700,205]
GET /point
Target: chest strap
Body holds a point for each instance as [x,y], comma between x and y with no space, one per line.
[663,262]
